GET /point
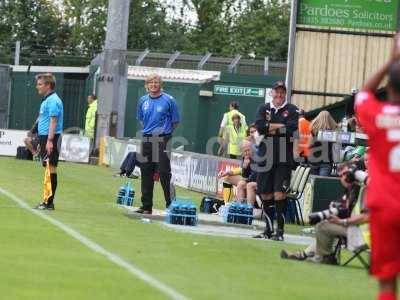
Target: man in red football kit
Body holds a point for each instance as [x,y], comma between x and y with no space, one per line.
[381,121]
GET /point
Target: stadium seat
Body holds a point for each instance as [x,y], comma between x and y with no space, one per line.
[295,191]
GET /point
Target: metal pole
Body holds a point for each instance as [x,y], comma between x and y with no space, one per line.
[113,77]
[266,65]
[172,59]
[141,57]
[17,52]
[203,61]
[232,68]
[291,49]
[9,98]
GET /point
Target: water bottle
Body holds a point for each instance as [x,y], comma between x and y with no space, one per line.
[177,213]
[194,214]
[131,197]
[249,214]
[185,214]
[121,195]
[173,212]
[234,211]
[231,210]
[242,212]
[191,213]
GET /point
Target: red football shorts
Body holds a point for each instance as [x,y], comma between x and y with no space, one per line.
[385,243]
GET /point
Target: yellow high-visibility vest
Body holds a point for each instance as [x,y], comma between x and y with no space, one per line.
[91,119]
[235,138]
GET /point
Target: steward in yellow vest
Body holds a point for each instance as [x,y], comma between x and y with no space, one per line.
[90,122]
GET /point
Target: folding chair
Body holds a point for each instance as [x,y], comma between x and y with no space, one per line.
[357,253]
[358,237]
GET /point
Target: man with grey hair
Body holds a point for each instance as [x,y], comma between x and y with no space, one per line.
[158,114]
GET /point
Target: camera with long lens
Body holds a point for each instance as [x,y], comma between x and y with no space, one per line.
[335,209]
[355,173]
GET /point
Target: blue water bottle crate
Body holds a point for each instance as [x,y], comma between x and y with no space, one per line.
[126,195]
[181,212]
[238,213]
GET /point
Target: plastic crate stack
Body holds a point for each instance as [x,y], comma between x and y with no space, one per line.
[239,213]
[126,195]
[182,213]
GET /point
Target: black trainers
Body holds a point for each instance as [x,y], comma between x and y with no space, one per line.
[263,235]
[277,237]
[144,211]
[50,206]
[44,206]
[132,176]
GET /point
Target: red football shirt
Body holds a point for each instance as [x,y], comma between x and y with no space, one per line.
[381,122]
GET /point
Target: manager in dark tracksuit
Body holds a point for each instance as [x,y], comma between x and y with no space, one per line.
[277,121]
[159,116]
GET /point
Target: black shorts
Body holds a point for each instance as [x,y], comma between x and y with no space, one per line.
[275,180]
[53,158]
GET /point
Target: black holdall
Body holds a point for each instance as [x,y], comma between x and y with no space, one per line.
[24,153]
[210,205]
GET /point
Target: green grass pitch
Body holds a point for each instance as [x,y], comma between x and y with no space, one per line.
[39,261]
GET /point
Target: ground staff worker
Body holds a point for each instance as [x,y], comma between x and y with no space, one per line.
[159,116]
[277,121]
[50,124]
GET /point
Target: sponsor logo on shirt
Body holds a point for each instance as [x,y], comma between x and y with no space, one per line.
[387,121]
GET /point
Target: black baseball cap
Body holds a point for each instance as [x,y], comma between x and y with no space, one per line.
[279,84]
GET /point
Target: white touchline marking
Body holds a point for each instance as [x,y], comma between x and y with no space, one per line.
[99,249]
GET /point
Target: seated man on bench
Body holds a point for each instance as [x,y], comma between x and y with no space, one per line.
[243,178]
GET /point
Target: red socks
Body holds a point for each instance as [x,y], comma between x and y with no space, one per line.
[387,296]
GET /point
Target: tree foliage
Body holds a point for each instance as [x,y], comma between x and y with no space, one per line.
[34,23]
[67,31]
[263,29]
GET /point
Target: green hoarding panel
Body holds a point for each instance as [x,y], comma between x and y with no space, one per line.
[25,101]
[356,14]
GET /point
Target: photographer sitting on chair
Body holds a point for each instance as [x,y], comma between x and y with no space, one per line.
[333,222]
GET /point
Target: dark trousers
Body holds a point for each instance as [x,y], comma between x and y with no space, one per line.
[155,157]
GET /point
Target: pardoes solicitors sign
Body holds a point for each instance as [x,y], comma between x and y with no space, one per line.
[356,14]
